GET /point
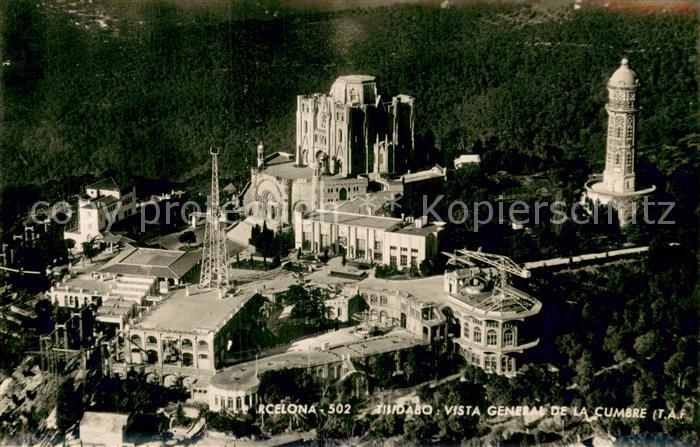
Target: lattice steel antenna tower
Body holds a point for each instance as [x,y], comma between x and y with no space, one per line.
[214,274]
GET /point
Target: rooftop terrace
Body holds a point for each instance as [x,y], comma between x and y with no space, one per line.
[202,310]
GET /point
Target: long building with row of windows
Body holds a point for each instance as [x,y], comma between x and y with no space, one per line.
[400,243]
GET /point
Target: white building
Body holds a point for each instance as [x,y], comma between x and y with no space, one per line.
[466,160]
[401,243]
[103,204]
[98,288]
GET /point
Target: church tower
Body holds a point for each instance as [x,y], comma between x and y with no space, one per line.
[618,176]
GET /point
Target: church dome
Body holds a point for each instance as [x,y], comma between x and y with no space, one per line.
[623,77]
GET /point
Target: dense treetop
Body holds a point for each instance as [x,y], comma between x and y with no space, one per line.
[149,94]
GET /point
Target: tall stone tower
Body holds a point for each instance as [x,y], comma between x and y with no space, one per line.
[618,187]
[618,175]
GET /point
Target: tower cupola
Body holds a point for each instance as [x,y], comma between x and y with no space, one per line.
[623,77]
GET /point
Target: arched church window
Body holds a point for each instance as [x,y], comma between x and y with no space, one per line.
[628,158]
[618,132]
[617,158]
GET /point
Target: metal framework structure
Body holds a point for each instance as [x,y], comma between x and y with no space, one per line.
[502,290]
[59,356]
[214,274]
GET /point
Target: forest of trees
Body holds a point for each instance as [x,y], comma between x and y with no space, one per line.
[150,98]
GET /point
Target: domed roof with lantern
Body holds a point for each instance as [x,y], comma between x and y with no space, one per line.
[623,77]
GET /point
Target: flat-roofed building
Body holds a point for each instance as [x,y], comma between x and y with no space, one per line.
[81,290]
[114,314]
[97,287]
[466,160]
[186,335]
[401,243]
[342,307]
[189,328]
[412,305]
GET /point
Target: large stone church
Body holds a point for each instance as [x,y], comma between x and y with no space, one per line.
[348,142]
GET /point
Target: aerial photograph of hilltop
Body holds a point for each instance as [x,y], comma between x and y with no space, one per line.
[357,222]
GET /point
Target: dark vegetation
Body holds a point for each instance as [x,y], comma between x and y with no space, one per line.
[233,425]
[378,373]
[308,315]
[523,91]
[292,386]
[271,244]
[149,100]
[141,399]
[258,328]
[639,318]
[132,395]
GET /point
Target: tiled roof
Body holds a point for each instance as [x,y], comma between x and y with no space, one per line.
[153,262]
